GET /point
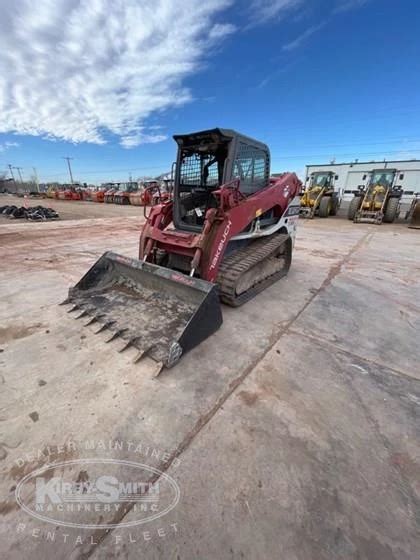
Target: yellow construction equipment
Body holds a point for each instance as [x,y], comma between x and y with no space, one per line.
[319,197]
[378,201]
[51,191]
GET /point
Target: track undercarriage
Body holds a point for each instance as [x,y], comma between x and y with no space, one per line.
[252,269]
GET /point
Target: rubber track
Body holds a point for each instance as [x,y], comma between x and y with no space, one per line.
[243,260]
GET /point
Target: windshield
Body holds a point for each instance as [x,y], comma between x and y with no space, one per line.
[383,178]
[320,179]
[201,169]
[130,187]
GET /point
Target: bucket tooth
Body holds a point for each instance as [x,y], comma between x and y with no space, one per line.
[105,326]
[158,370]
[141,353]
[84,313]
[94,319]
[74,308]
[65,302]
[128,344]
[139,356]
[115,335]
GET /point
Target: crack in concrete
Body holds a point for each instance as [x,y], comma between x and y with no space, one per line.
[317,339]
[390,449]
[207,417]
[348,379]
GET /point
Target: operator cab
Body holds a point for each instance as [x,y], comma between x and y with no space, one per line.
[321,179]
[383,177]
[206,161]
[130,187]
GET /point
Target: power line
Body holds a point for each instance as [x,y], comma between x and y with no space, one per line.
[285,156]
[349,154]
[330,120]
[405,140]
[104,171]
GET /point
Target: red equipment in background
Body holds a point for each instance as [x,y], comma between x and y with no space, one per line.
[123,195]
[98,196]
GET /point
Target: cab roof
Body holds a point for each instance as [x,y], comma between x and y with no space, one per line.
[221,134]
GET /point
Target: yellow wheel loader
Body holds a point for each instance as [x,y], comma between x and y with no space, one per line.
[379,201]
[319,197]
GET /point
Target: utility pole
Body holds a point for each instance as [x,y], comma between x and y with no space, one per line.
[69,166]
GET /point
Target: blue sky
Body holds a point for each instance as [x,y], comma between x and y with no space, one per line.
[314,79]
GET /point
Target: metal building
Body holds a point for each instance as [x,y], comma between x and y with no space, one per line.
[348,176]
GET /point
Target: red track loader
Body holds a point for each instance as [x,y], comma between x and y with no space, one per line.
[227,235]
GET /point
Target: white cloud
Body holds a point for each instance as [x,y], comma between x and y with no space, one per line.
[346,5]
[135,138]
[341,6]
[303,37]
[263,11]
[221,30]
[7,145]
[77,69]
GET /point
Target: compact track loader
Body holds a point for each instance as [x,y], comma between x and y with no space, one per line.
[227,234]
[377,202]
[319,197]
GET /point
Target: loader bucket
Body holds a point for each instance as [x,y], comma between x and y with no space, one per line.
[159,311]
[415,217]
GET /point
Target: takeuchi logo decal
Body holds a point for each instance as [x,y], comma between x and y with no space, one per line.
[221,245]
[97,493]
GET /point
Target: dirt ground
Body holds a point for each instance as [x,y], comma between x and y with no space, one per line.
[69,210]
[291,433]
